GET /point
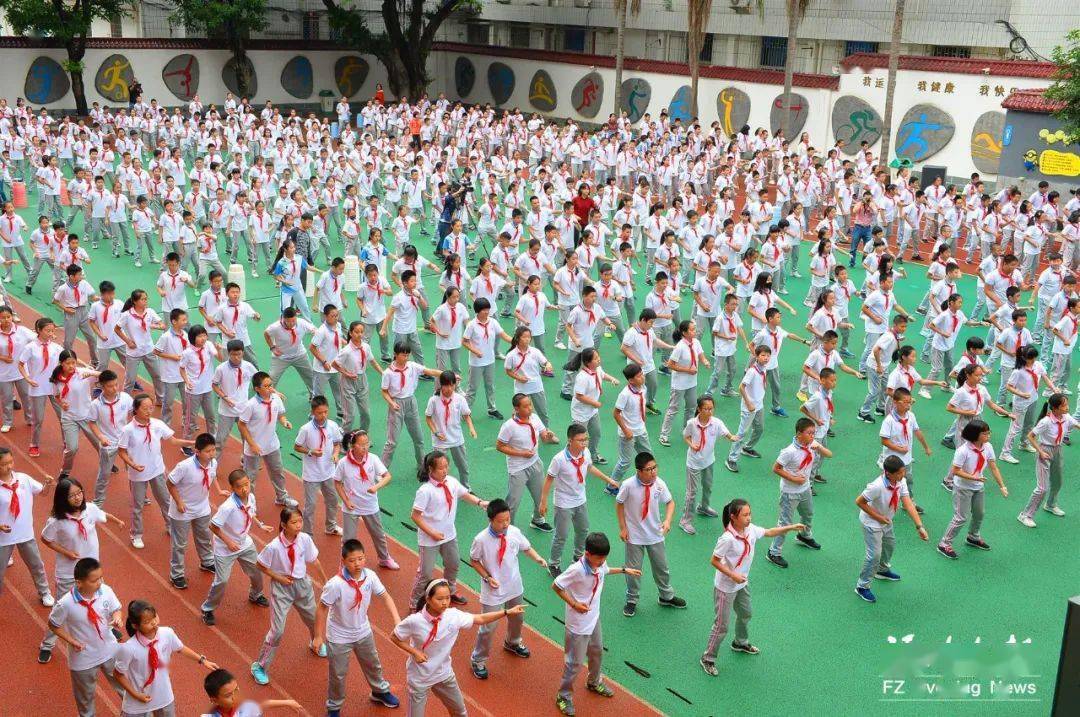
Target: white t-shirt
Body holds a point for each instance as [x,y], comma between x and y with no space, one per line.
[522,435]
[438,504]
[132,660]
[569,473]
[972,460]
[485,549]
[797,459]
[261,419]
[879,495]
[314,437]
[192,481]
[448,415]
[706,435]
[642,504]
[347,620]
[77,533]
[234,519]
[143,444]
[435,638]
[901,432]
[275,555]
[737,552]
[584,585]
[99,642]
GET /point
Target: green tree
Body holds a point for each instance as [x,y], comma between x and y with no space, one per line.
[69,22]
[230,20]
[1066,85]
[796,11]
[405,42]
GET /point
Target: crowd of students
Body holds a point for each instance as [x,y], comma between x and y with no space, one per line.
[562,226]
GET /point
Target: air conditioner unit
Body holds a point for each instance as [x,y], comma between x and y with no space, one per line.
[583,3]
[740,7]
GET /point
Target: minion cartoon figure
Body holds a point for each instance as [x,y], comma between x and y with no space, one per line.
[1030,160]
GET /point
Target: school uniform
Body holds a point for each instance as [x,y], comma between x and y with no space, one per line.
[17,509]
[448,415]
[884,498]
[261,419]
[584,640]
[74,393]
[590,384]
[401,383]
[686,354]
[1026,380]
[969,496]
[355,392]
[483,336]
[1050,432]
[143,445]
[11,345]
[329,342]
[77,533]
[234,318]
[529,365]
[585,323]
[77,297]
[317,471]
[198,363]
[435,637]
[348,630]
[40,359]
[291,559]
[449,320]
[234,381]
[737,552]
[172,343]
[900,430]
[137,328]
[355,477]
[966,398]
[752,418]
[820,405]
[110,417]
[234,519]
[631,404]
[699,464]
[373,311]
[291,351]
[641,343]
[568,474]
[192,480]
[438,504]
[86,619]
[406,309]
[498,553]
[725,333]
[524,473]
[885,345]
[133,660]
[643,510]
[797,459]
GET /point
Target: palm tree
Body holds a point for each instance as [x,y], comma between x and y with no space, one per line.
[796,11]
[697,20]
[890,91]
[620,43]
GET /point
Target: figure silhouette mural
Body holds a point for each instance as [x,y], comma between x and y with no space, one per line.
[113,78]
[636,95]
[542,93]
[45,81]
[923,131]
[181,76]
[350,73]
[853,122]
[733,109]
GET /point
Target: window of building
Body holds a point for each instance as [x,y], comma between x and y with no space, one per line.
[574,39]
[311,26]
[706,49]
[520,34]
[773,52]
[116,26]
[478,33]
[951,51]
[852,47]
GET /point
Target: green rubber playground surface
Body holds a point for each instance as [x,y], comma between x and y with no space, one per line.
[980,635]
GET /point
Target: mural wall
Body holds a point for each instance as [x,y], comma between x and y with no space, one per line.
[1034,150]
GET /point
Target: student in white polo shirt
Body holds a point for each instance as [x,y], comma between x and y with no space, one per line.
[36,361]
[258,421]
[444,414]
[400,379]
[727,329]
[645,508]
[898,433]
[228,700]
[639,345]
[139,448]
[189,484]
[285,337]
[358,477]
[971,460]
[85,618]
[70,532]
[231,525]
[369,299]
[580,586]
[17,491]
[73,387]
[172,284]
[481,335]
[494,556]
[136,322]
[448,324]
[319,442]
[434,512]
[683,363]
[526,364]
[168,351]
[732,558]
[566,472]
[879,503]
[406,305]
[751,408]
[231,381]
[428,636]
[583,324]
[352,363]
[700,434]
[104,314]
[326,343]
[197,372]
[341,623]
[110,412]
[631,406]
[74,297]
[795,465]
[1046,438]
[231,318]
[519,440]
[284,560]
[588,391]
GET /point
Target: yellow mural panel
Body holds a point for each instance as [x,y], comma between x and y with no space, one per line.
[1061,164]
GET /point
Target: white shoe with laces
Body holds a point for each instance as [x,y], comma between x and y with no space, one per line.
[1025,521]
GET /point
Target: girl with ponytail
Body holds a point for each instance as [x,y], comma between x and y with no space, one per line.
[1024,383]
[732,557]
[1046,438]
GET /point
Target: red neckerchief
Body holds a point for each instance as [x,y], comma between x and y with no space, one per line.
[446,494]
[153,660]
[290,552]
[434,628]
[532,429]
[92,615]
[745,543]
[357,586]
[647,500]
[360,465]
[13,506]
[980,460]
[145,427]
[67,384]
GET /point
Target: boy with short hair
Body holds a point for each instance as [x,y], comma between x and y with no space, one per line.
[795,466]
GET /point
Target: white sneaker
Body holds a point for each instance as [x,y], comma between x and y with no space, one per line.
[137,543]
[1026,521]
[138,265]
[5,428]
[254,274]
[1008,458]
[560,345]
[48,600]
[1055,511]
[924,393]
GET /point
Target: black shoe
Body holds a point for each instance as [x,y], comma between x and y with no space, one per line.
[29,292]
[830,433]
[43,656]
[554,570]
[16,405]
[208,617]
[496,415]
[808,542]
[751,453]
[458,599]
[206,568]
[674,601]
[879,411]
[777,560]
[629,609]
[916,257]
[600,461]
[187,451]
[731,465]
[480,672]
[62,475]
[867,418]
[425,377]
[977,543]
[948,443]
[261,601]
[542,525]
[566,396]
[517,649]
[919,509]
[820,479]
[179,583]
[114,469]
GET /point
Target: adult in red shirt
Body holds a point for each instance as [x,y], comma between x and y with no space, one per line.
[583,206]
